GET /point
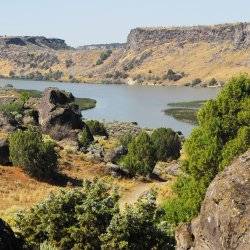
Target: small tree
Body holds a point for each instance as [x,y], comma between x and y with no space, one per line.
[96,128]
[85,137]
[141,155]
[137,227]
[167,144]
[37,158]
[71,218]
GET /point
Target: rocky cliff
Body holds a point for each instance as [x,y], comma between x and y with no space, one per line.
[190,56]
[224,219]
[34,42]
[238,34]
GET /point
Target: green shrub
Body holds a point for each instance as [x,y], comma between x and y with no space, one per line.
[12,108]
[103,56]
[137,227]
[70,218]
[167,144]
[236,146]
[141,155]
[126,139]
[37,158]
[222,134]
[85,137]
[96,128]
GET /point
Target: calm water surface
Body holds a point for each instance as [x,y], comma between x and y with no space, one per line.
[143,104]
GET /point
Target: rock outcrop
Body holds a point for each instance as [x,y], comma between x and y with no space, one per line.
[7,123]
[34,41]
[224,219]
[58,116]
[8,240]
[4,152]
[238,34]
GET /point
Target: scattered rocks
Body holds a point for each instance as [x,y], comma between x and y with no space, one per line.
[224,219]
[118,129]
[116,170]
[95,153]
[166,169]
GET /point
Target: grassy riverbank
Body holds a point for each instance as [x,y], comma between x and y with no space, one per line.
[185,111]
[83,103]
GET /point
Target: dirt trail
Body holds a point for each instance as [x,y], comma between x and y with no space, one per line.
[131,196]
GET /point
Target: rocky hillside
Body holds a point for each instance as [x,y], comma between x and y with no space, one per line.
[199,55]
[224,219]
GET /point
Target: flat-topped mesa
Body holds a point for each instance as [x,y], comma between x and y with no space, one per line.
[238,34]
[34,41]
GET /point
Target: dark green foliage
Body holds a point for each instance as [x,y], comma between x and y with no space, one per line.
[85,137]
[96,128]
[222,134]
[126,139]
[103,56]
[167,144]
[141,155]
[12,108]
[137,227]
[37,158]
[196,81]
[71,218]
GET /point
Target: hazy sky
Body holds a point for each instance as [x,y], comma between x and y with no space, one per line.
[82,22]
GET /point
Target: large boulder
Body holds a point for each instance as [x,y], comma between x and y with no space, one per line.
[58,115]
[7,123]
[115,154]
[4,152]
[8,240]
[224,219]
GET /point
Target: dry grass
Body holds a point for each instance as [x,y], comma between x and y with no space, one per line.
[197,60]
[19,191]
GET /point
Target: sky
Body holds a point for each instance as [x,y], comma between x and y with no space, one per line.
[81,22]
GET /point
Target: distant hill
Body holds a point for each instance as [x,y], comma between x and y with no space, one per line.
[198,55]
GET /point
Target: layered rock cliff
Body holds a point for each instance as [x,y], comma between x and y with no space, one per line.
[34,42]
[237,34]
[199,55]
[224,219]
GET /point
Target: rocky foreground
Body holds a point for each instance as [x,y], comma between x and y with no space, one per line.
[190,56]
[224,219]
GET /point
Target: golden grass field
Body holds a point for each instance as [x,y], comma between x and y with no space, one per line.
[19,191]
[197,60]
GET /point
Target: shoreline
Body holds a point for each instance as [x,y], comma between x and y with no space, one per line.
[102,82]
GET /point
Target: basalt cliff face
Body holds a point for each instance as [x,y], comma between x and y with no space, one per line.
[224,219]
[34,42]
[236,34]
[199,55]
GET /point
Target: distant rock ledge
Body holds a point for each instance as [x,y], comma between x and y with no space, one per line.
[238,34]
[34,41]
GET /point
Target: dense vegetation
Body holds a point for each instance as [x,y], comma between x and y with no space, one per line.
[89,218]
[141,155]
[97,128]
[145,150]
[222,134]
[29,151]
[167,144]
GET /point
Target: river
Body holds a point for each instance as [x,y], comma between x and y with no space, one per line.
[141,104]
